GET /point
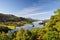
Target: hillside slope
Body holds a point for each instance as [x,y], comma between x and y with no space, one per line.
[8,18]
[54,21]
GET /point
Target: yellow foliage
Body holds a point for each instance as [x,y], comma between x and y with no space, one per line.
[57,26]
[11,27]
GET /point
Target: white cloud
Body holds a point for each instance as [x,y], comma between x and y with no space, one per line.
[36,14]
[33,10]
[28,10]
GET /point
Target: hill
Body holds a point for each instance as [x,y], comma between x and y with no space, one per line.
[54,21]
[13,18]
[8,21]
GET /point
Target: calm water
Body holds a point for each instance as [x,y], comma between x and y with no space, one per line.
[29,27]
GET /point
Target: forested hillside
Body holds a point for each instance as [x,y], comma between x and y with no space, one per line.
[9,22]
[12,18]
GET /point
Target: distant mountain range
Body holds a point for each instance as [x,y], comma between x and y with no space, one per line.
[13,18]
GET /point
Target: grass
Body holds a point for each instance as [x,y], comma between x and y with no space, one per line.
[12,25]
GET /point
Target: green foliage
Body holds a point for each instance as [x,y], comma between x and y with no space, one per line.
[57,12]
[51,35]
[4,36]
[19,34]
[25,35]
[53,27]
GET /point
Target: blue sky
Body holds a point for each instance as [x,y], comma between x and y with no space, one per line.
[36,9]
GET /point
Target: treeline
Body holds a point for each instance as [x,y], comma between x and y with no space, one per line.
[51,31]
[13,18]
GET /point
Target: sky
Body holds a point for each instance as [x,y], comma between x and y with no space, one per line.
[36,9]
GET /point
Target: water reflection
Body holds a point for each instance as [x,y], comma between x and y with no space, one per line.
[29,27]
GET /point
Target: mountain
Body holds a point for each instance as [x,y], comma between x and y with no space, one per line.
[13,18]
